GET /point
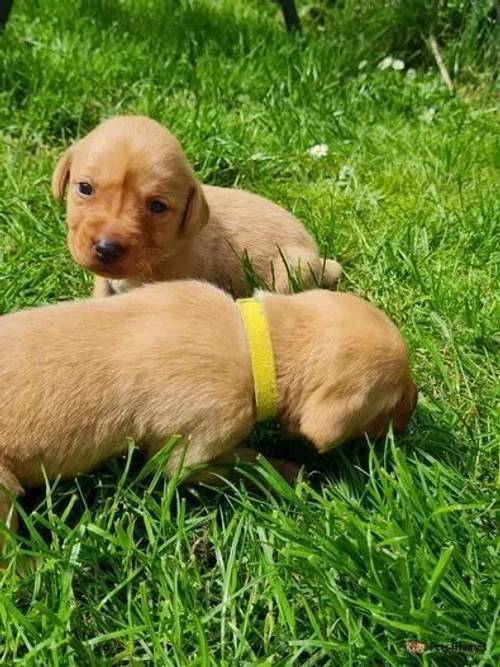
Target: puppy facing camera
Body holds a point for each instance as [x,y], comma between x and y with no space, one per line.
[136,214]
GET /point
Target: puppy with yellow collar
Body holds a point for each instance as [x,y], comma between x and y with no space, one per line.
[77,379]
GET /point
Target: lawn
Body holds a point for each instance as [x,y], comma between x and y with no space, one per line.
[376,544]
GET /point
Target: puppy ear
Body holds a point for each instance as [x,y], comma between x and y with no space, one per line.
[406,407]
[196,212]
[60,176]
[327,423]
[331,419]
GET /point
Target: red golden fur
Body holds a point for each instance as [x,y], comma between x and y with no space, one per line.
[77,379]
[129,162]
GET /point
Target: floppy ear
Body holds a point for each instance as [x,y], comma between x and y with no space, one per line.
[196,212]
[60,176]
[332,418]
[327,423]
[406,407]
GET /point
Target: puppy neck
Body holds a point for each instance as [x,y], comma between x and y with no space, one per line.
[289,333]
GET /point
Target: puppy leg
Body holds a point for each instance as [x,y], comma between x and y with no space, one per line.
[102,287]
[332,273]
[223,468]
[295,263]
[9,488]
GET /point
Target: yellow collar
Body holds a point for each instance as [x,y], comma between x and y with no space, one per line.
[262,358]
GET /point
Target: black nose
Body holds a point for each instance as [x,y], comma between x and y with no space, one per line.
[108,251]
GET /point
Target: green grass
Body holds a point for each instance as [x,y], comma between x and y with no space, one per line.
[385,543]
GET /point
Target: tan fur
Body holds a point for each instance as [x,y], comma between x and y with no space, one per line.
[205,233]
[77,379]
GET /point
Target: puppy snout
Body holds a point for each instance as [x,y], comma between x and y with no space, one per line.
[108,251]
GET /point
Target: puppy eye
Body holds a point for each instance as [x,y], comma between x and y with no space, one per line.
[84,189]
[157,206]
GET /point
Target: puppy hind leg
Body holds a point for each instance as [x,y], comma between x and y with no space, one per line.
[296,268]
[331,274]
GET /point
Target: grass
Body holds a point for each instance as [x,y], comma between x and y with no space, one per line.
[384,543]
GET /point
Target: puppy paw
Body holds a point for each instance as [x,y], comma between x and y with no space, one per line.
[332,274]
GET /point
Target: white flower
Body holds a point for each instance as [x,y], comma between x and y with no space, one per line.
[389,61]
[363,64]
[410,74]
[346,172]
[318,151]
[428,116]
[385,63]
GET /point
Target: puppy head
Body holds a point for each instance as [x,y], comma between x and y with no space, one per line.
[351,376]
[337,418]
[133,200]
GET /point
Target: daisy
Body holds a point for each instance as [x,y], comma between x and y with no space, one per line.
[395,63]
[318,151]
[428,116]
[385,63]
[346,172]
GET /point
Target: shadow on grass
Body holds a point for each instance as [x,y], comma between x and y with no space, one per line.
[349,463]
[426,434]
[182,26]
